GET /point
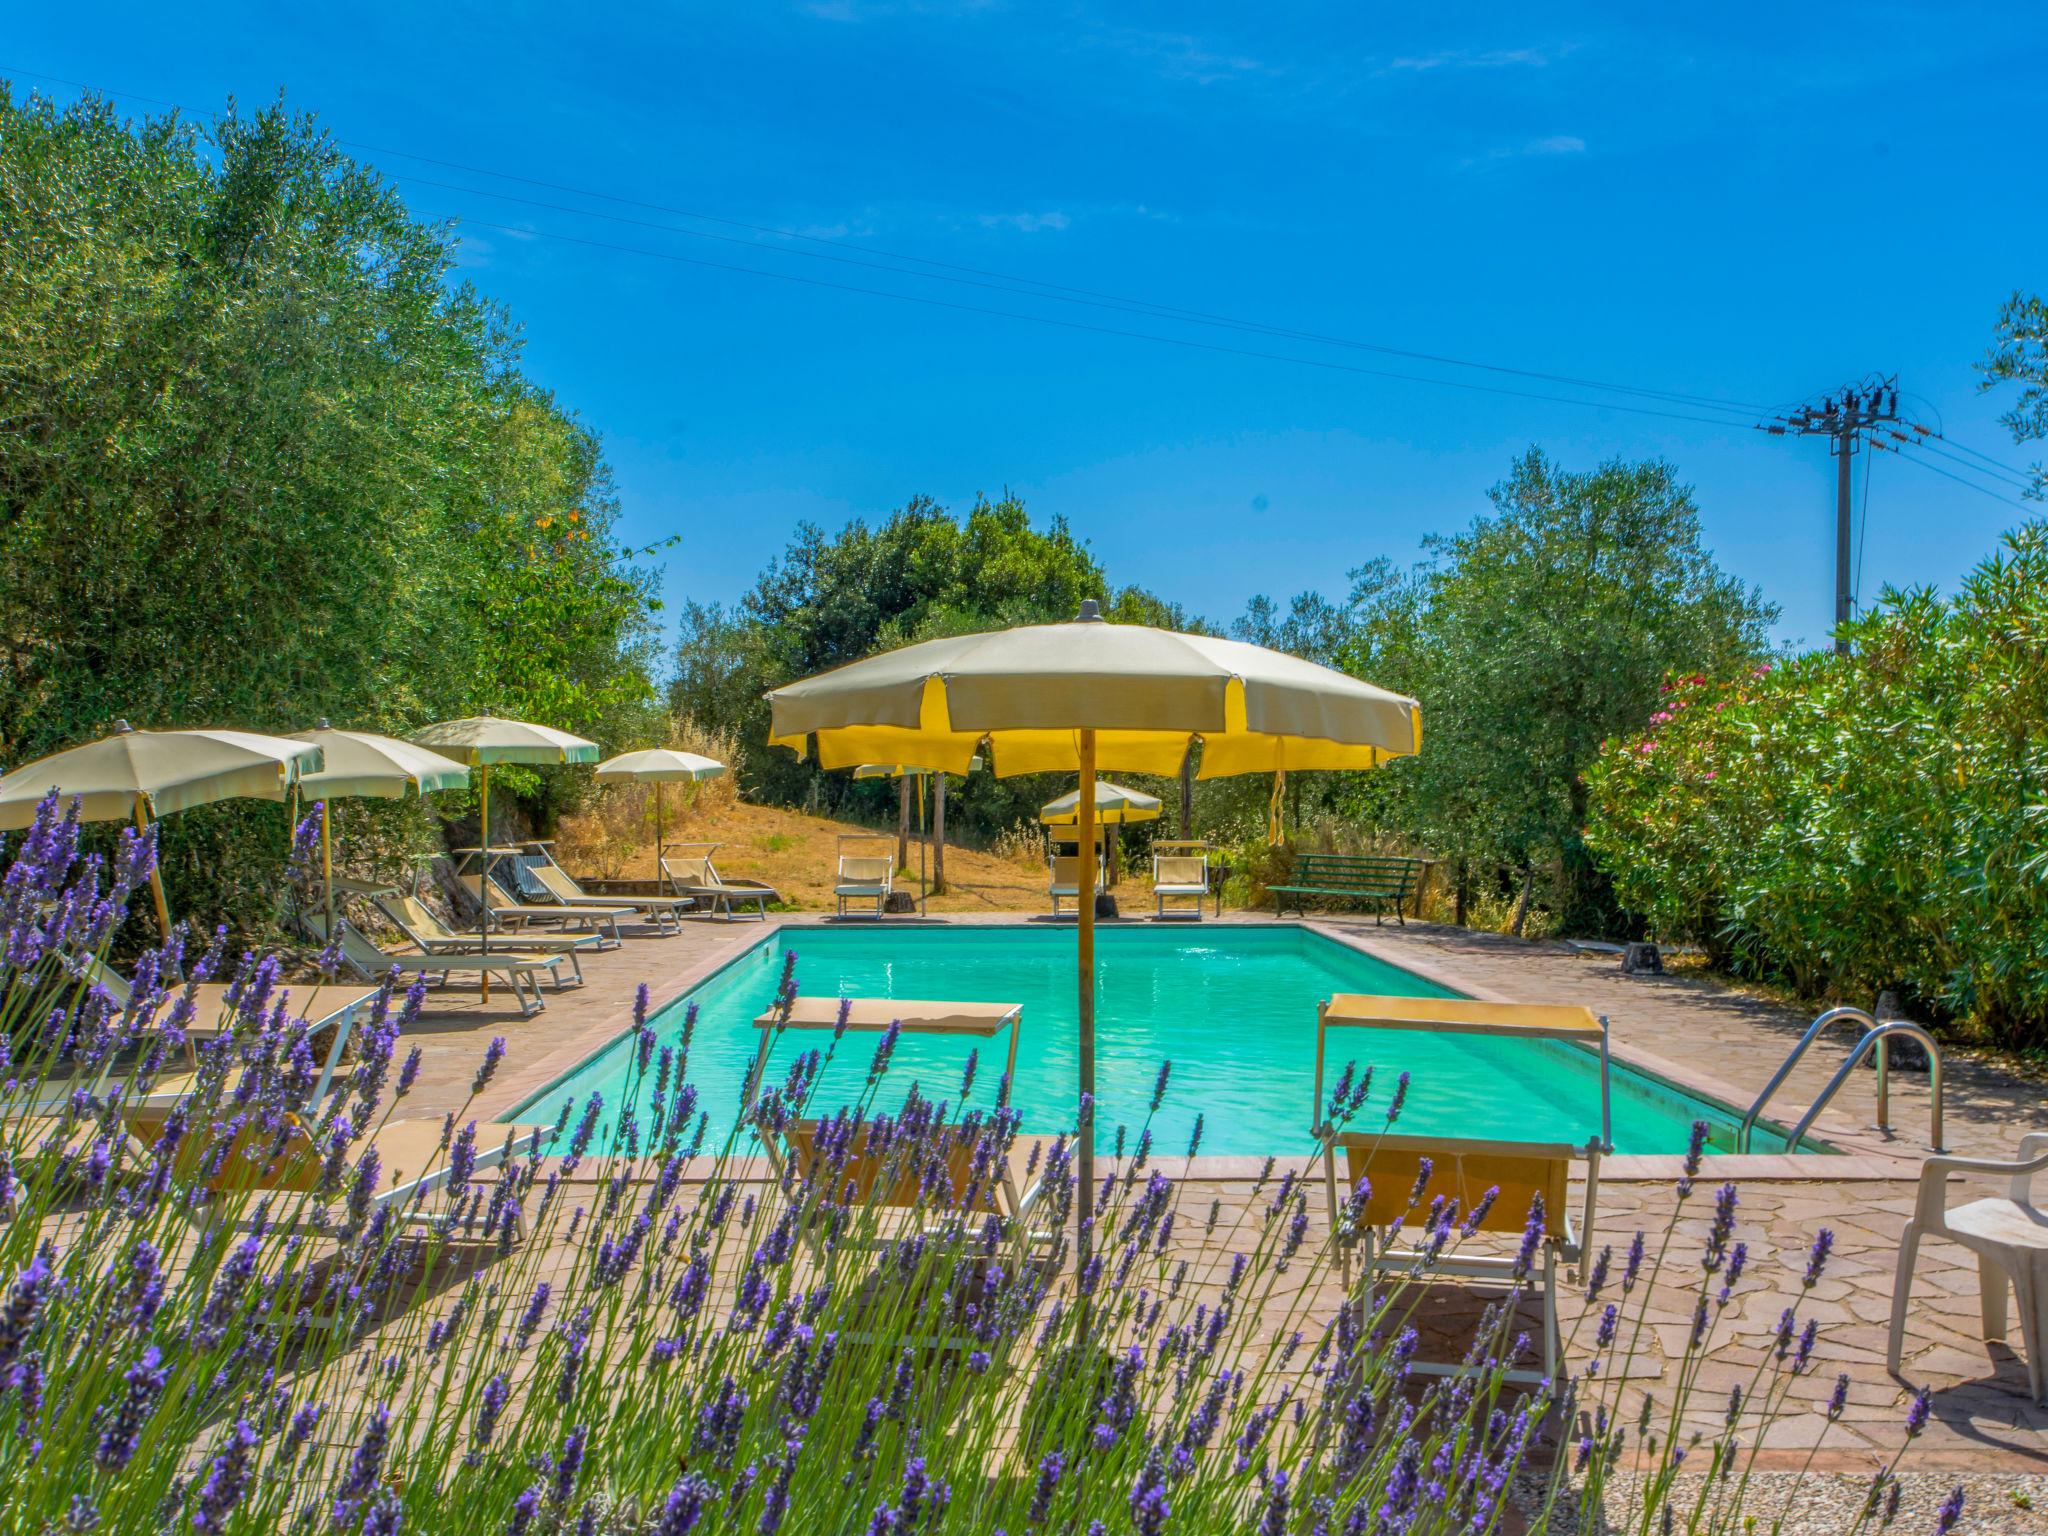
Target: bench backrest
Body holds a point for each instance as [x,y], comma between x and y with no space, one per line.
[1463,1171]
[414,918]
[1343,869]
[1180,869]
[866,869]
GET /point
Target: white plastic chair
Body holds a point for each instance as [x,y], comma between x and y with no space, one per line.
[2009,1235]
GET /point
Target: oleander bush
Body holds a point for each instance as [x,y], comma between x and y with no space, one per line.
[230,1318]
[1853,823]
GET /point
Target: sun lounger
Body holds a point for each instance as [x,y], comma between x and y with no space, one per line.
[879,1179]
[510,911]
[412,1155]
[1065,884]
[560,887]
[323,1006]
[423,926]
[1180,875]
[521,971]
[865,877]
[693,874]
[1463,1168]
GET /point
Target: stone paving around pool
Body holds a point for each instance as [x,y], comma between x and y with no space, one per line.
[1983,1421]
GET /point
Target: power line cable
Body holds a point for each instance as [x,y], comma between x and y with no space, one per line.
[1188,343]
[1982,490]
[1054,291]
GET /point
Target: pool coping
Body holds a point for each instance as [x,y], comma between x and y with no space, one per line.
[1861,1154]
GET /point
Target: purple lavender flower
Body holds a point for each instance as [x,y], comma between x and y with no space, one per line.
[1950,1512]
[524,1508]
[640,1005]
[1149,1505]
[1274,1521]
[1839,1398]
[1633,1269]
[967,1076]
[1817,1257]
[1195,1136]
[496,1393]
[31,1289]
[145,1379]
[227,1479]
[1532,1237]
[1723,1227]
[570,1463]
[1917,1412]
[1695,1145]
[493,1054]
[1049,1471]
[1159,1085]
[684,1506]
[1400,1098]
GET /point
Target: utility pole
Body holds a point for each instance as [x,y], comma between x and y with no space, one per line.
[1849,417]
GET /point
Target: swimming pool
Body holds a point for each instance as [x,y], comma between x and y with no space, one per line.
[1233,1008]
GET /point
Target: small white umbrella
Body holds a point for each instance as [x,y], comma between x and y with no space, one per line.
[150,774]
[360,763]
[485,740]
[657,766]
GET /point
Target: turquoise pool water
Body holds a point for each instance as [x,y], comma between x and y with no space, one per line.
[1233,1008]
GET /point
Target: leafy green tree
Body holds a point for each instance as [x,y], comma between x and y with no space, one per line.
[921,573]
[2019,355]
[1529,638]
[262,460]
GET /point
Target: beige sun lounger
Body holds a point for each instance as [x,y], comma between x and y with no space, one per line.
[1180,875]
[412,1156]
[1464,1168]
[1065,882]
[509,910]
[867,1170]
[423,926]
[521,971]
[865,877]
[693,874]
[665,912]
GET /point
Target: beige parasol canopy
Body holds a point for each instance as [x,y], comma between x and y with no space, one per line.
[1146,693]
[147,774]
[1114,806]
[657,766]
[157,772]
[1076,696]
[361,763]
[483,740]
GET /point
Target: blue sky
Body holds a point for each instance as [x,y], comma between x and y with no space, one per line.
[1745,203]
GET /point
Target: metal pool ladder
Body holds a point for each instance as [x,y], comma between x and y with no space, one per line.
[1874,1037]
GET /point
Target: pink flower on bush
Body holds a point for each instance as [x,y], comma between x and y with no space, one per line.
[1709,775]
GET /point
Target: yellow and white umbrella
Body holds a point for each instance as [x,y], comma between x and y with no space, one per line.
[363,764]
[1077,696]
[657,766]
[482,741]
[147,775]
[1115,806]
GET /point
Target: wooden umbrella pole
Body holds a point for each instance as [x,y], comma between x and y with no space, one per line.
[1086,1203]
[483,878]
[657,837]
[156,873]
[327,863]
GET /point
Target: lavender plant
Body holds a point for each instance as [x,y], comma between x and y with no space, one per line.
[221,1311]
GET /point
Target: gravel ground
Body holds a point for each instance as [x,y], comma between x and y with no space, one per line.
[1994,1504]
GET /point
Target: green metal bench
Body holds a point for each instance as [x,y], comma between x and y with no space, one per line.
[1382,881]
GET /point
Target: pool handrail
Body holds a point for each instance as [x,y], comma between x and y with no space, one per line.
[1571,1024]
[1875,1033]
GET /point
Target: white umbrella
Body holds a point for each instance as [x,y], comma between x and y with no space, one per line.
[359,763]
[1072,697]
[485,740]
[1114,805]
[657,766]
[150,774]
